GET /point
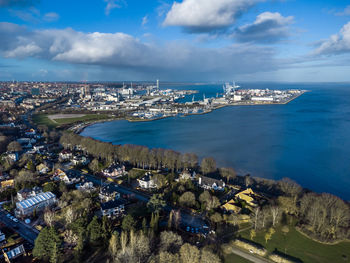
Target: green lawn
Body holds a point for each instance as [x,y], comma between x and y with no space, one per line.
[299,246]
[88,117]
[233,258]
[42,119]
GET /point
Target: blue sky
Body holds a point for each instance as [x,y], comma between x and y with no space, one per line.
[183,40]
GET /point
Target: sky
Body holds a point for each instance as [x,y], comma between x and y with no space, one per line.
[183,40]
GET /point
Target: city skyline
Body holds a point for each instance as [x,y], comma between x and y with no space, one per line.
[106,40]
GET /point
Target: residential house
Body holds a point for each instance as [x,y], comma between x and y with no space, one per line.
[187,175]
[12,157]
[30,132]
[211,183]
[80,160]
[11,253]
[65,155]
[107,193]
[85,186]
[2,237]
[248,196]
[147,181]
[113,208]
[38,203]
[27,193]
[42,168]
[231,207]
[7,183]
[69,177]
[114,170]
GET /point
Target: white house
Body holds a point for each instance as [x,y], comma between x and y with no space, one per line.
[147,181]
[113,208]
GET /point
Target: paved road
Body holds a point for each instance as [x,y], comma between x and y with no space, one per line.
[187,219]
[249,256]
[21,228]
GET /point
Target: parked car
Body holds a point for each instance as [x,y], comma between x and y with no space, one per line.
[15,220]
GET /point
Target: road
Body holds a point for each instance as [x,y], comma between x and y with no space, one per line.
[21,228]
[187,219]
[249,256]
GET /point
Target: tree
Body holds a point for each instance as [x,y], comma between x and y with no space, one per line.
[275,213]
[210,202]
[128,223]
[216,217]
[49,217]
[269,234]
[94,230]
[252,234]
[189,253]
[208,256]
[94,165]
[166,257]
[50,187]
[247,180]
[208,165]
[114,244]
[159,180]
[47,244]
[228,173]
[187,199]
[144,226]
[156,203]
[14,146]
[290,188]
[169,241]
[255,217]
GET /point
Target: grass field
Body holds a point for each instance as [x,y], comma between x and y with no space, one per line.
[232,258]
[299,246]
[43,119]
[88,117]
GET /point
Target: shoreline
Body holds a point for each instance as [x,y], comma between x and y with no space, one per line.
[85,125]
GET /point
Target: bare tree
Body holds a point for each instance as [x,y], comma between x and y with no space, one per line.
[275,212]
[49,217]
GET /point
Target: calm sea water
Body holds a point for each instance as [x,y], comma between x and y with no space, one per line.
[307,140]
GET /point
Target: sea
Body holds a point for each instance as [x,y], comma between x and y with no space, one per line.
[307,140]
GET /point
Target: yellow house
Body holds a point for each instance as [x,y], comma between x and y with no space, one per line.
[8,183]
[247,196]
[231,207]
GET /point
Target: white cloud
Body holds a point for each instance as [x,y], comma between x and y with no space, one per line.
[336,44]
[267,28]
[27,50]
[111,4]
[51,17]
[345,12]
[33,15]
[144,20]
[206,15]
[125,53]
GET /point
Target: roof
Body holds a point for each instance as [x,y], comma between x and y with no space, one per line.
[210,181]
[107,190]
[112,204]
[113,167]
[147,177]
[36,200]
[231,206]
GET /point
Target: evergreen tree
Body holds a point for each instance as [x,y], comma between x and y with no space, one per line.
[47,245]
[128,223]
[94,230]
